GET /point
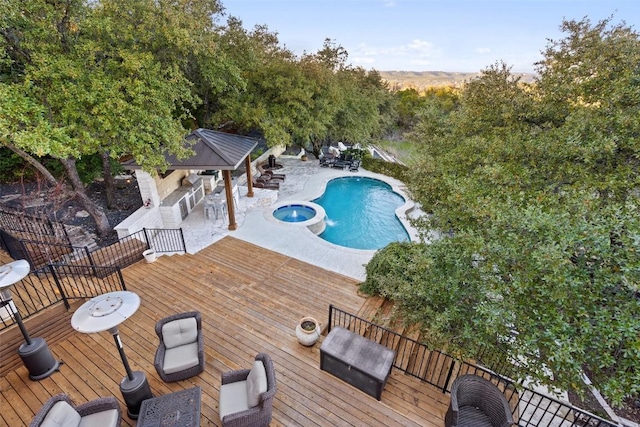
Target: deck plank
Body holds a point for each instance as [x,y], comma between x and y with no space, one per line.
[250,299]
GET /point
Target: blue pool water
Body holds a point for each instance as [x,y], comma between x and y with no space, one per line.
[361,213]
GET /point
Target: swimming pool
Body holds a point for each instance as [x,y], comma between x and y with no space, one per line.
[360,213]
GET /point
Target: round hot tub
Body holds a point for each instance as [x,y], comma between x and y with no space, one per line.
[294,213]
[308,214]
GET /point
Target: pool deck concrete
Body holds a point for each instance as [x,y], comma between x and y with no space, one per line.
[304,181]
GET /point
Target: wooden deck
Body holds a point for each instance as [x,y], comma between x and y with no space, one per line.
[250,299]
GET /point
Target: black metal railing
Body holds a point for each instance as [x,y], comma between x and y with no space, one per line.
[40,253]
[164,240]
[86,281]
[33,226]
[122,253]
[53,284]
[530,407]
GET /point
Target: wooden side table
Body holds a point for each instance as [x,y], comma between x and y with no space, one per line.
[179,409]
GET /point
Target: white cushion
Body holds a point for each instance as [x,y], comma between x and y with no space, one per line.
[61,414]
[180,332]
[178,359]
[233,398]
[107,418]
[256,383]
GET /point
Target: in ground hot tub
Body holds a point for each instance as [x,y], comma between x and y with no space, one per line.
[294,213]
[308,214]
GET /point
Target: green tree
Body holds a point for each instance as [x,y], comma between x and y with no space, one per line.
[271,93]
[83,77]
[367,108]
[535,192]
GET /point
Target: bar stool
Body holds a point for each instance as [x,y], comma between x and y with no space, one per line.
[219,206]
[209,206]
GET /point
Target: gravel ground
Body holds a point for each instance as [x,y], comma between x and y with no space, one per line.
[39,199]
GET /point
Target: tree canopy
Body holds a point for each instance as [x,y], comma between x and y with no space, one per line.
[535,191]
[82,78]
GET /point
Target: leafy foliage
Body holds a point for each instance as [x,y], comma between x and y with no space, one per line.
[534,189]
[395,170]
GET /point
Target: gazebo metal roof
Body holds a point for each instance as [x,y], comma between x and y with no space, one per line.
[213,150]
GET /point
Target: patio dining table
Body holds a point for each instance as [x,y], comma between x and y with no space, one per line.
[179,409]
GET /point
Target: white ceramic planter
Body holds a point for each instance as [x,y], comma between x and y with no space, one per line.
[305,337]
[149,255]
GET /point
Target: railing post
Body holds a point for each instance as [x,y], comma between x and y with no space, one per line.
[124,286]
[330,318]
[55,279]
[26,254]
[184,244]
[146,237]
[446,382]
[91,261]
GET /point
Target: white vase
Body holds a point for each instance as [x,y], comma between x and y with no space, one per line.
[305,337]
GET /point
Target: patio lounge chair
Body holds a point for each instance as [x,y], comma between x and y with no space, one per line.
[477,402]
[180,354]
[269,178]
[270,185]
[246,395]
[326,161]
[343,162]
[60,411]
[355,165]
[275,175]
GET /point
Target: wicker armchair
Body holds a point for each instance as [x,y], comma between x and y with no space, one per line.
[245,399]
[180,354]
[476,402]
[59,410]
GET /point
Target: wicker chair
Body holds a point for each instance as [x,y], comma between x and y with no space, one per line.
[59,410]
[476,402]
[180,354]
[245,399]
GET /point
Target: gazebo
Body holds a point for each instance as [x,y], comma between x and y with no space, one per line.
[219,151]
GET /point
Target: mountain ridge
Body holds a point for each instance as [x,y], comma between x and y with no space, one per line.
[421,80]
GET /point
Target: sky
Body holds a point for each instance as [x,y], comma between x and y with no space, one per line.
[428,35]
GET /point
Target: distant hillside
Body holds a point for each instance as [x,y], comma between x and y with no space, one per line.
[421,80]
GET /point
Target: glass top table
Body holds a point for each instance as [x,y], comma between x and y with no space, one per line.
[179,409]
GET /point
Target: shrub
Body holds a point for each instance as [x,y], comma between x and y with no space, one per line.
[394,170]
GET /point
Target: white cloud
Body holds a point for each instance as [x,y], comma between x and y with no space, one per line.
[422,49]
[361,60]
[421,62]
[419,52]
[483,50]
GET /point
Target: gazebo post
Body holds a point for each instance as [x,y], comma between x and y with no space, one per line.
[247,163]
[231,209]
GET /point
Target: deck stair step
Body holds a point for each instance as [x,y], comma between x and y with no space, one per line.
[368,311]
